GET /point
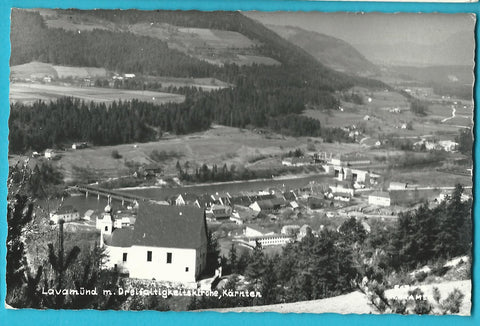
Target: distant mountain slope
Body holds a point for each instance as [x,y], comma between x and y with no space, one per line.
[457,49]
[330,51]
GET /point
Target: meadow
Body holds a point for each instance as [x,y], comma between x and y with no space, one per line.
[29,93]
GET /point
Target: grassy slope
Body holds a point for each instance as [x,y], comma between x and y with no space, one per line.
[357,303]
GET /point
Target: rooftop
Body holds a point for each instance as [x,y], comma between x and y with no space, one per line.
[67,209]
[383,194]
[169,226]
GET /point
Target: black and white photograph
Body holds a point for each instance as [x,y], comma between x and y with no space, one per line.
[240,161]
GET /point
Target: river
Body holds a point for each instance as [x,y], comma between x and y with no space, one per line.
[82,203]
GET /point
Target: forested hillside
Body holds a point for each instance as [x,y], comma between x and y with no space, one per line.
[262,96]
[330,51]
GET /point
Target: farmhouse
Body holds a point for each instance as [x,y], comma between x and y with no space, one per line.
[448,145]
[50,153]
[379,198]
[66,213]
[79,145]
[167,243]
[151,170]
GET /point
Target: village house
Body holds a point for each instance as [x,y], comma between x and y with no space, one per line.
[269,205]
[50,153]
[341,196]
[397,185]
[79,145]
[342,188]
[242,200]
[167,243]
[379,198]
[207,200]
[218,212]
[448,145]
[151,170]
[66,213]
[290,196]
[235,217]
[222,198]
[88,215]
[185,199]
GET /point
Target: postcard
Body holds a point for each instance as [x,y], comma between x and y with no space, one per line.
[240,161]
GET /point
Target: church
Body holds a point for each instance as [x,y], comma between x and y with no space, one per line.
[166,243]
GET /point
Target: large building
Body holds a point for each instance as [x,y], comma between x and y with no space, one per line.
[166,243]
[66,213]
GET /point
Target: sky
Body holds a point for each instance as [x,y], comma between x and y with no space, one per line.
[357,28]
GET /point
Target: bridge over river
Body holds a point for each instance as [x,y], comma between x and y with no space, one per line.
[112,194]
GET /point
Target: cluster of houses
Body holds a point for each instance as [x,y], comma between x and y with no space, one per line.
[446,145]
[168,242]
[51,154]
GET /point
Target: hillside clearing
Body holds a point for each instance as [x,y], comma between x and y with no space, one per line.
[29,93]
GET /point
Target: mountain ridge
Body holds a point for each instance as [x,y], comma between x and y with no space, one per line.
[332,52]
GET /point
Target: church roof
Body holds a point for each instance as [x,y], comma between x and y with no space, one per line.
[169,226]
[120,238]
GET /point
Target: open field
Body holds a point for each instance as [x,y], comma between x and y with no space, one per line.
[217,47]
[214,46]
[206,84]
[39,70]
[30,93]
[217,145]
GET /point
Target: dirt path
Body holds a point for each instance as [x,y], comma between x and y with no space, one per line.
[453,115]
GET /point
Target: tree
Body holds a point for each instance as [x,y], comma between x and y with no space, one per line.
[465,141]
[232,259]
[256,266]
[19,215]
[116,155]
[353,231]
[60,262]
[419,108]
[213,253]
